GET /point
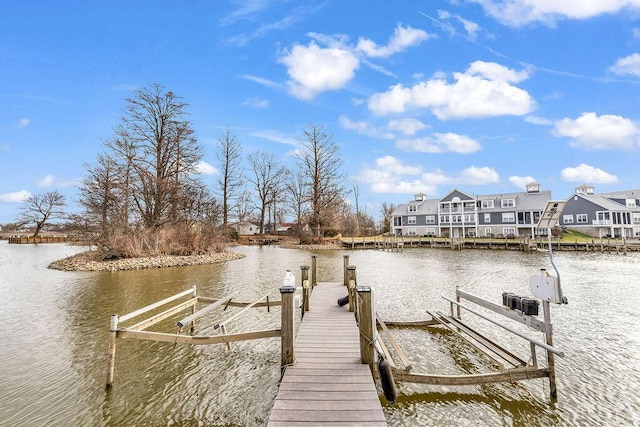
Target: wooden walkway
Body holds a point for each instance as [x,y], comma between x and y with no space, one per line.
[328,385]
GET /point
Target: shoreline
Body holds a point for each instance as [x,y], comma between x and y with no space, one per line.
[91,261]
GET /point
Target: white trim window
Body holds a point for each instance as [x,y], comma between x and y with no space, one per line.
[582,218]
[413,208]
[508,231]
[508,217]
[411,231]
[411,220]
[430,231]
[470,218]
[430,219]
[487,218]
[486,204]
[631,203]
[636,217]
[508,203]
[444,219]
[567,219]
[487,232]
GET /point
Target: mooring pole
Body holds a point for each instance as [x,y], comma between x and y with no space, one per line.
[551,363]
[113,331]
[366,322]
[314,265]
[287,326]
[193,309]
[345,264]
[306,288]
[352,284]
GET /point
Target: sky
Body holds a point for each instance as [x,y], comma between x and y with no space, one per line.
[484,96]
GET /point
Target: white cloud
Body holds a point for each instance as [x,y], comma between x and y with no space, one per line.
[478,176]
[484,90]
[440,143]
[395,166]
[275,136]
[255,102]
[47,181]
[605,132]
[364,128]
[627,65]
[521,181]
[23,123]
[260,80]
[52,181]
[587,173]
[313,69]
[636,33]
[390,175]
[407,126]
[535,120]
[205,168]
[516,13]
[17,197]
[402,38]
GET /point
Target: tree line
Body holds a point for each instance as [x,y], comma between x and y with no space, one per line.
[143,193]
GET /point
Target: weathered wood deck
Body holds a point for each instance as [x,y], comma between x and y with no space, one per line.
[328,385]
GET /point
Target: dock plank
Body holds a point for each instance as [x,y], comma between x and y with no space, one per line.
[328,384]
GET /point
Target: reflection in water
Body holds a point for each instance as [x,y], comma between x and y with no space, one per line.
[55,333]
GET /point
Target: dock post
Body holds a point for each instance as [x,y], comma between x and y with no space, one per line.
[351,279]
[306,288]
[287,325]
[113,333]
[366,322]
[345,263]
[193,310]
[551,363]
[314,266]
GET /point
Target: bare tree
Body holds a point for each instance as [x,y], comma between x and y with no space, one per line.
[267,179]
[41,208]
[230,180]
[320,166]
[387,212]
[297,200]
[356,196]
[160,150]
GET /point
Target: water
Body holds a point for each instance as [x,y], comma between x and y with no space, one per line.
[54,334]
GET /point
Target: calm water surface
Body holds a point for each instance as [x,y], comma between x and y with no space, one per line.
[54,332]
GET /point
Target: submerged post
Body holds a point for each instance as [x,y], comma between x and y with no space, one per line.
[366,322]
[306,288]
[352,284]
[287,326]
[113,331]
[344,269]
[314,265]
[551,363]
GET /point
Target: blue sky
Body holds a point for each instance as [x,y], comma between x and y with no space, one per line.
[420,96]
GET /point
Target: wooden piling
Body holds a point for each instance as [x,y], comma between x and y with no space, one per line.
[314,266]
[113,331]
[306,287]
[352,284]
[366,324]
[287,326]
[345,264]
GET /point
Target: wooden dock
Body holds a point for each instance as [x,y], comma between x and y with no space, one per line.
[327,384]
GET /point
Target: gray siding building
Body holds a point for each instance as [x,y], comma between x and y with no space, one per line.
[459,214]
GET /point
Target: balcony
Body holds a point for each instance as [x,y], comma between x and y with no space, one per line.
[602,222]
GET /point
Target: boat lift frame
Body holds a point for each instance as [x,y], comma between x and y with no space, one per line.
[137,330]
[519,368]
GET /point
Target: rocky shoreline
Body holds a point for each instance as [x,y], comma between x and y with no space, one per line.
[92,261]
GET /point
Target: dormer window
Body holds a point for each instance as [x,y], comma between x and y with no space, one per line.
[487,204]
[508,203]
[413,208]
